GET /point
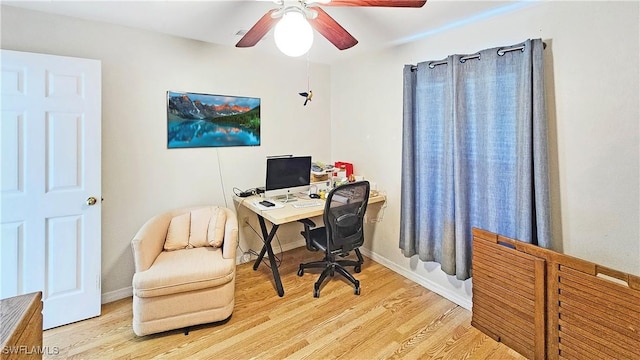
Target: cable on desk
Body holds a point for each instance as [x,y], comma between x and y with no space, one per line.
[246,193]
[382,208]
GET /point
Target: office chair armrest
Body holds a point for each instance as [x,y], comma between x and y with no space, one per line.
[307,222]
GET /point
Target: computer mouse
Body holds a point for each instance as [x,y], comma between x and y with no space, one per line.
[314,196]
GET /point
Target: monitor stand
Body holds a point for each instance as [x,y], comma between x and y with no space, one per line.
[286,198]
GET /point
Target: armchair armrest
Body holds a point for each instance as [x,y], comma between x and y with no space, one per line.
[230,242]
[148,243]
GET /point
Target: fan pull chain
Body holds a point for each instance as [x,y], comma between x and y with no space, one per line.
[308,73]
[307,94]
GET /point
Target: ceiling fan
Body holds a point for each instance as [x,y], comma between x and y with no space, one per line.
[317,18]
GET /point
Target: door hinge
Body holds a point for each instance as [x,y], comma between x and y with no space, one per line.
[98,281]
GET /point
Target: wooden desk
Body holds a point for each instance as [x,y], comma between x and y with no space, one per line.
[280,216]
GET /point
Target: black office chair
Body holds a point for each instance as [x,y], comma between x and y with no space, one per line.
[343,232]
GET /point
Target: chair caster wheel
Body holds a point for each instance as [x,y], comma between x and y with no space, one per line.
[316,293]
[357,269]
[300,271]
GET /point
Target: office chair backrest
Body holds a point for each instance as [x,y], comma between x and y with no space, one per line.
[344,216]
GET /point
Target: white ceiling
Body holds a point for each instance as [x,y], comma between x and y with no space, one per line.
[218,22]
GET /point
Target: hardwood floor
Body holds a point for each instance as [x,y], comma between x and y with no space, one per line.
[391,318]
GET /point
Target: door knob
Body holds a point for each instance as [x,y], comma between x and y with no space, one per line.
[91,201]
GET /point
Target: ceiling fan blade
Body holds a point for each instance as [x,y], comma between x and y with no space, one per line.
[258,31]
[330,29]
[379,3]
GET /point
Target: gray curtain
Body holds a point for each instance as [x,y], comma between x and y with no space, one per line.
[474,154]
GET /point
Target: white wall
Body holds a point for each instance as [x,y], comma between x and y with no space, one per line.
[140,176]
[592,82]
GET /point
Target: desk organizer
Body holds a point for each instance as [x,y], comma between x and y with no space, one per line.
[592,312]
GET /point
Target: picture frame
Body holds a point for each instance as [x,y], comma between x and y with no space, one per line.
[208,120]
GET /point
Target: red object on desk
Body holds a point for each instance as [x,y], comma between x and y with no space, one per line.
[347,166]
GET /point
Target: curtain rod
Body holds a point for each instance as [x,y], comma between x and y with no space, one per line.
[500,52]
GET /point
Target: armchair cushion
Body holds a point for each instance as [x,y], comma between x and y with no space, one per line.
[186,270]
[199,226]
[178,233]
[215,232]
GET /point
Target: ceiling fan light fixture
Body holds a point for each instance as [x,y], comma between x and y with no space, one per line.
[293,34]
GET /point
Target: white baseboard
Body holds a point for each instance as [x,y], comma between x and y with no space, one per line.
[436,288]
[112,296]
[285,247]
[428,284]
[292,245]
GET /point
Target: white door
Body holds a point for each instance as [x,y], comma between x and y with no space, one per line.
[50,151]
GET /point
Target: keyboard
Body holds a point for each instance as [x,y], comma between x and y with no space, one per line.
[306,204]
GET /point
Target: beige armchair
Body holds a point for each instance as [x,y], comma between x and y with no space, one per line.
[185,267]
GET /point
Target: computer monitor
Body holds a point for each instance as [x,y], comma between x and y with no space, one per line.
[287,175]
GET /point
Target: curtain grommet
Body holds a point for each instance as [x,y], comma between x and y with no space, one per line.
[503,51]
[465,58]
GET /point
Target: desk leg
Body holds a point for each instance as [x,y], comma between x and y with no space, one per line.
[268,237]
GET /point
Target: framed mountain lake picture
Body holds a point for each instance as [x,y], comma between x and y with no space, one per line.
[204,120]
